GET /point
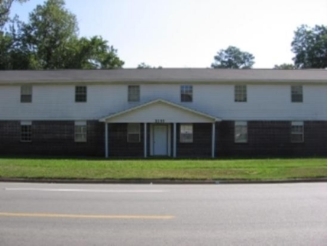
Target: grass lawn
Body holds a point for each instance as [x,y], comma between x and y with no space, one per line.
[241,169]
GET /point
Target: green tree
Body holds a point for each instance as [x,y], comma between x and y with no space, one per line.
[233,57]
[14,55]
[5,6]
[49,40]
[284,66]
[310,47]
[145,66]
[90,53]
[49,30]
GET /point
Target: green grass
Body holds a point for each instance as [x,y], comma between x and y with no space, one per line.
[241,169]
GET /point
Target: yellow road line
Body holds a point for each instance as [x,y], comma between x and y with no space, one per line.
[85,216]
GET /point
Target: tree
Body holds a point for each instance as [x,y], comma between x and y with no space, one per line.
[49,40]
[13,54]
[90,53]
[284,66]
[49,30]
[145,66]
[5,6]
[233,57]
[310,47]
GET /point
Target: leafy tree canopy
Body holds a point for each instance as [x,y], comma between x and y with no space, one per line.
[145,66]
[284,66]
[5,6]
[49,40]
[233,57]
[310,47]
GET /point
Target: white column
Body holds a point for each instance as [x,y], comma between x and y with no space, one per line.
[174,139]
[145,140]
[106,140]
[213,139]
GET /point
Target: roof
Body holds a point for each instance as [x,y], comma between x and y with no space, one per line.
[134,108]
[166,75]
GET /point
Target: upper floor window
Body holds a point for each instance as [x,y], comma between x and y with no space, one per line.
[186,133]
[26,93]
[133,93]
[297,93]
[80,131]
[241,135]
[80,93]
[297,132]
[240,93]
[133,133]
[26,131]
[186,93]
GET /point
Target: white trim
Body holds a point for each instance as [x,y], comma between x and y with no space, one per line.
[26,123]
[151,139]
[213,140]
[107,118]
[106,140]
[145,140]
[169,139]
[174,139]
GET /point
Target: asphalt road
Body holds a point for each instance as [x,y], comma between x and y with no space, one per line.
[259,214]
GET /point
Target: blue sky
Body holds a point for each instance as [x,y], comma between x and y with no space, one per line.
[188,33]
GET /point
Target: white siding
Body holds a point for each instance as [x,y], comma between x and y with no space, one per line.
[264,102]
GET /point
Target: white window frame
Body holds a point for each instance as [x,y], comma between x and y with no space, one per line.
[80,131]
[81,95]
[185,91]
[241,128]
[133,129]
[296,93]
[186,133]
[133,93]
[26,94]
[297,129]
[26,131]
[240,93]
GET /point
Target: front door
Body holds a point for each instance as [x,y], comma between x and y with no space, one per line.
[160,140]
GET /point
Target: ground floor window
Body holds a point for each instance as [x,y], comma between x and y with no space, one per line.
[241,135]
[297,132]
[80,131]
[133,133]
[26,131]
[186,133]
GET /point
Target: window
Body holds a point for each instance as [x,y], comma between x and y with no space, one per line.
[241,132]
[26,93]
[133,93]
[80,131]
[133,133]
[186,133]
[297,132]
[297,93]
[240,93]
[186,93]
[26,131]
[80,94]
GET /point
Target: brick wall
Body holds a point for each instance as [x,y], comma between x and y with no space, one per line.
[118,145]
[202,142]
[51,138]
[272,139]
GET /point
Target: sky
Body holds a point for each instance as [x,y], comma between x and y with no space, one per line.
[189,33]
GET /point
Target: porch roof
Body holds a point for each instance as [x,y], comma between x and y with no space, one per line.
[159,111]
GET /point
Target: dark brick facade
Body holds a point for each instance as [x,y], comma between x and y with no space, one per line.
[51,138]
[265,139]
[118,145]
[202,142]
[272,139]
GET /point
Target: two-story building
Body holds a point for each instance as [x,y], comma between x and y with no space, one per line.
[164,112]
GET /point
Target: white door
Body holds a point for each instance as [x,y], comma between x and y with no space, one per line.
[160,140]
